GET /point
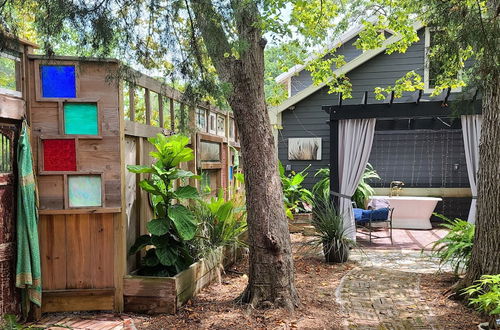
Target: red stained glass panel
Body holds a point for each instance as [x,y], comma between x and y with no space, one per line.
[59,155]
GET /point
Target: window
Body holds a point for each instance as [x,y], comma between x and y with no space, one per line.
[81,119]
[84,190]
[221,125]
[10,67]
[201,120]
[432,69]
[59,155]
[212,122]
[5,154]
[232,130]
[58,81]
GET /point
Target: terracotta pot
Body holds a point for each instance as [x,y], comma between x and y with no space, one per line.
[339,255]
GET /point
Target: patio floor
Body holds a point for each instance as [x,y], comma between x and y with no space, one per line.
[403,239]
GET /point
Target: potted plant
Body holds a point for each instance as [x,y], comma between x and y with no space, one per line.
[485,296]
[329,231]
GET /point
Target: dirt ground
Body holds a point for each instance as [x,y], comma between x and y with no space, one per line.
[316,281]
[451,314]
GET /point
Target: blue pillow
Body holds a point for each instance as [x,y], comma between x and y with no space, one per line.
[361,215]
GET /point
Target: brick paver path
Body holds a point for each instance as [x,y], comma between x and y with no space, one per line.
[384,291]
[375,298]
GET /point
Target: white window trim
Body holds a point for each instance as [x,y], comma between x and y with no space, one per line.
[8,91]
[209,123]
[221,132]
[427,89]
[204,127]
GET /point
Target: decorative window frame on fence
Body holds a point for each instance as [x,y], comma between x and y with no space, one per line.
[68,191]
[41,155]
[39,80]
[62,117]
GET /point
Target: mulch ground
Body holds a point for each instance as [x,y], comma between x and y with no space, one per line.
[214,307]
[451,314]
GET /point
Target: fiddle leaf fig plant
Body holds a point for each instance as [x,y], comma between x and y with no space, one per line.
[168,246]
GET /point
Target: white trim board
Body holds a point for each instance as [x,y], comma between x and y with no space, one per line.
[354,63]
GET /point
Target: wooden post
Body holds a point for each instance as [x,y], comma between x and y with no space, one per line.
[334,157]
[131,101]
[147,102]
[172,115]
[160,111]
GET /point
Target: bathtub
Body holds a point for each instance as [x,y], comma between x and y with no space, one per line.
[411,212]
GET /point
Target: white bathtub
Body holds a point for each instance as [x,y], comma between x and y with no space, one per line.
[411,212]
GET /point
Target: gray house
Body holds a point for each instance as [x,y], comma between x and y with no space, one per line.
[428,155]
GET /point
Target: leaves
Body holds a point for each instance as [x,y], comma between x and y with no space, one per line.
[186,192]
[158,226]
[139,244]
[166,255]
[183,220]
[140,169]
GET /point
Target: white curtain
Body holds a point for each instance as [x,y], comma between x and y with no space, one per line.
[355,145]
[471,131]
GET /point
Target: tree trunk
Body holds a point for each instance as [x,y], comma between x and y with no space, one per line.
[486,250]
[271,273]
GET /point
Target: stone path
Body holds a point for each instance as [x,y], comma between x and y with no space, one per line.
[384,291]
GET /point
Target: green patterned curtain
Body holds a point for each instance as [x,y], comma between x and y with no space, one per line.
[28,269]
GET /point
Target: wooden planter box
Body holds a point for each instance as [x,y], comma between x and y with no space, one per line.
[153,295]
[299,221]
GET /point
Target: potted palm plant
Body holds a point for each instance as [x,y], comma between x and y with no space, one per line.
[330,233]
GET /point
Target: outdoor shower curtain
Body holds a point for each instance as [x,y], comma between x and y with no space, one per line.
[471,131]
[355,145]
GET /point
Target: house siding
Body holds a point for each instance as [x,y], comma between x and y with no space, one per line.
[420,158]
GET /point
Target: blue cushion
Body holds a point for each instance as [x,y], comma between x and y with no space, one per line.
[361,215]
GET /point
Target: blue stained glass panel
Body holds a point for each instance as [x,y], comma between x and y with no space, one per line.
[58,81]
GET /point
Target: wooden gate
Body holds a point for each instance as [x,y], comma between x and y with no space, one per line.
[9,296]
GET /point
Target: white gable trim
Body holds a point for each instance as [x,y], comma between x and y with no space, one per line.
[354,63]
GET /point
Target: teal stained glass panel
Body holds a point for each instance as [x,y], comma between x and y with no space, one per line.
[84,190]
[80,119]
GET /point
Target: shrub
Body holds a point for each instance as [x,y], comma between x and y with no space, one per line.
[296,198]
[485,294]
[456,247]
[168,248]
[362,193]
[221,223]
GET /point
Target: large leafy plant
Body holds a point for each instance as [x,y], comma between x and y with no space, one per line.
[297,199]
[168,247]
[455,248]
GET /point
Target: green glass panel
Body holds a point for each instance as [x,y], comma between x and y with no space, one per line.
[84,190]
[80,118]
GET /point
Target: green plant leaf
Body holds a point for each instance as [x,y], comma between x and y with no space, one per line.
[149,186]
[139,244]
[140,169]
[150,259]
[183,220]
[167,256]
[186,192]
[180,174]
[158,226]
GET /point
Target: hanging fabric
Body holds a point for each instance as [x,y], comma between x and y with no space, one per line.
[355,145]
[28,268]
[471,131]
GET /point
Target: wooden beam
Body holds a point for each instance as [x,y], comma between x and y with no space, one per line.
[131,101]
[172,115]
[160,110]
[147,101]
[402,110]
[142,130]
